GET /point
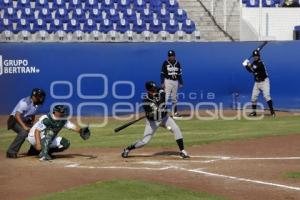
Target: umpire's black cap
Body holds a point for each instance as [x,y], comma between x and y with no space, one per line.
[171,53]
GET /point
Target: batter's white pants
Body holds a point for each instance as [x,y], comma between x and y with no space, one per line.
[263,86]
[152,126]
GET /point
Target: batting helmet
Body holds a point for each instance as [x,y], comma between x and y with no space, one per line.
[255,53]
[63,109]
[171,53]
[39,94]
[150,85]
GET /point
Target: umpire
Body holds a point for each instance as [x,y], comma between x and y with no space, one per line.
[171,79]
[262,83]
[21,119]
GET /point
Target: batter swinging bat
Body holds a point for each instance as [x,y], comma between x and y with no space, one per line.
[259,48]
[128,124]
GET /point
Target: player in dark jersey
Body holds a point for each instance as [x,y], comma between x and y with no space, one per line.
[171,79]
[261,82]
[157,116]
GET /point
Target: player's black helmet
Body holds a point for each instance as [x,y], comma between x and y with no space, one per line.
[150,85]
[39,94]
[171,53]
[63,109]
[256,53]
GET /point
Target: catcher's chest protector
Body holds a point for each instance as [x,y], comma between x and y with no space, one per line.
[54,125]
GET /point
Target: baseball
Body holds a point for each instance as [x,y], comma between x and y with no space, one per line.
[169,128]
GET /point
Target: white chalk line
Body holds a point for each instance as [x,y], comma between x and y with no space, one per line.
[198,170]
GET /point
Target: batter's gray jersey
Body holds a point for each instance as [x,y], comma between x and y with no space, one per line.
[26,108]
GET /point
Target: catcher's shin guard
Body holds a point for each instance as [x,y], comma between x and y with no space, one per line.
[45,143]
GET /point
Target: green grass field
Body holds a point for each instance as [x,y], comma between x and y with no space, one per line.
[195,132]
[128,190]
[294,175]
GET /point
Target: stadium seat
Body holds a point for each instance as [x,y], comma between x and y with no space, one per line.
[122,26]
[113,16]
[45,14]
[107,5]
[164,15]
[55,26]
[155,5]
[139,26]
[130,16]
[21,4]
[62,15]
[95,14]
[172,26]
[139,5]
[11,14]
[147,16]
[72,26]
[7,24]
[156,26]
[22,25]
[74,4]
[188,26]
[79,15]
[6,4]
[59,4]
[28,14]
[268,3]
[180,15]
[172,6]
[252,3]
[123,5]
[39,25]
[91,4]
[106,26]
[39,4]
[89,26]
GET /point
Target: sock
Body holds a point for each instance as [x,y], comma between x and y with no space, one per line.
[270,104]
[180,144]
[174,108]
[254,107]
[131,147]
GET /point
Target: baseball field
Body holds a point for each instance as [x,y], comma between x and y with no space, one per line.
[230,159]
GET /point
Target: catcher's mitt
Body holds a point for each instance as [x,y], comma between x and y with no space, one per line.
[85,133]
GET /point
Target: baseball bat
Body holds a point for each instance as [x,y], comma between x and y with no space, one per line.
[128,124]
[259,48]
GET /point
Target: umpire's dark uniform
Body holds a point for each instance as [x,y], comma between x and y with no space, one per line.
[21,119]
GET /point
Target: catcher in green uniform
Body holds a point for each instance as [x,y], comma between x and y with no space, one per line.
[43,136]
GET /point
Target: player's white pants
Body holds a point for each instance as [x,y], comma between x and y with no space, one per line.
[263,86]
[171,88]
[54,143]
[152,126]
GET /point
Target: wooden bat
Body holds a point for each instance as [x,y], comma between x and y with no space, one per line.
[128,124]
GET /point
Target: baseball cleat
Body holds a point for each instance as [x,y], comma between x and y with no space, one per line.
[253,114]
[177,116]
[125,153]
[273,114]
[11,155]
[45,157]
[184,155]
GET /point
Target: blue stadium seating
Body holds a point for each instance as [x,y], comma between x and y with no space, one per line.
[6,4]
[139,27]
[122,26]
[89,15]
[188,26]
[156,26]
